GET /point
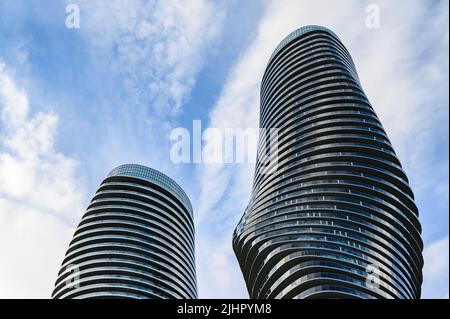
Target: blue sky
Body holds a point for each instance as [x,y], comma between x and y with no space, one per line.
[75,103]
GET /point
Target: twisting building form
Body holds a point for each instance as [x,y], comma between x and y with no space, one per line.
[336,217]
[136,240]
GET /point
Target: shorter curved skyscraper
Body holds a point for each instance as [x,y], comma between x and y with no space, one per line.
[136,240]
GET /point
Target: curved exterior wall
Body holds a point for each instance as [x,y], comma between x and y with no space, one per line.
[136,240]
[338,206]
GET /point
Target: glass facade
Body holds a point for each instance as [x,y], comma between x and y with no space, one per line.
[136,240]
[336,218]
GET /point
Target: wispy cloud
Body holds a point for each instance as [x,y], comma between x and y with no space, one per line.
[159,46]
[40,195]
[435,271]
[146,57]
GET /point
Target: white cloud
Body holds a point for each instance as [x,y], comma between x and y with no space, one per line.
[435,271]
[39,196]
[158,45]
[399,66]
[218,275]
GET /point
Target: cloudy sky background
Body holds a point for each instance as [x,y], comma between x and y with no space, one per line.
[75,103]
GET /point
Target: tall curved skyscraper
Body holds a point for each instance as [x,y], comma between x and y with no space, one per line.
[332,214]
[136,240]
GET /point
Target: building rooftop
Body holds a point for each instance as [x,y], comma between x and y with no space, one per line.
[155,177]
[297,33]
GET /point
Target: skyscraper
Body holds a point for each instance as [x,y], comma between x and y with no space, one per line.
[335,216]
[136,240]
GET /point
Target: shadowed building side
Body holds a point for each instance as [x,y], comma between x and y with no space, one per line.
[136,240]
[336,218]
